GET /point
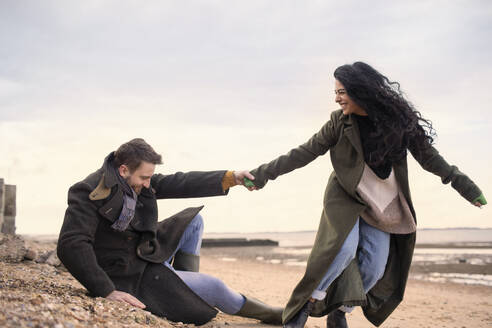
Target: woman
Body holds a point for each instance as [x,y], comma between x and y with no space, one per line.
[364,244]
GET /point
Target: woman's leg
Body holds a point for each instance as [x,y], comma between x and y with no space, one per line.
[213,291]
[341,261]
[345,255]
[373,253]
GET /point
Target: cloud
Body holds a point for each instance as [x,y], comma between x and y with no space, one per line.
[219,85]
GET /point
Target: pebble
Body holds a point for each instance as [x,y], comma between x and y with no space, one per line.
[35,293]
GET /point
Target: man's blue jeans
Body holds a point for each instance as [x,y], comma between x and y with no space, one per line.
[191,240]
[212,290]
[372,247]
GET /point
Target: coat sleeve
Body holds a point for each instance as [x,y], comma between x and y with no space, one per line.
[431,161]
[188,185]
[298,157]
[75,243]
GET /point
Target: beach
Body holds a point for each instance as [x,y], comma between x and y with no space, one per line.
[42,295]
[426,303]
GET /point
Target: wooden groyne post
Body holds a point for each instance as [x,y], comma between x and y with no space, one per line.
[7,208]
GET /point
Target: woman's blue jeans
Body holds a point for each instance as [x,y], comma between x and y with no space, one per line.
[371,245]
[212,290]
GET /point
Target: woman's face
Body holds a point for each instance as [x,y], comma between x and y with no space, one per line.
[347,104]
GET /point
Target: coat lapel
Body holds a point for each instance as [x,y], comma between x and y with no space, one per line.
[111,210]
[350,175]
[351,130]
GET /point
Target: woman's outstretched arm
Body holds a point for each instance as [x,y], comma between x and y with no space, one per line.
[298,157]
[430,160]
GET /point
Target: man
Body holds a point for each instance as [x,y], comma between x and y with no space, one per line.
[112,244]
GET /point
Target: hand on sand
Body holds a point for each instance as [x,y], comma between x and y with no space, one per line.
[116,295]
[242,177]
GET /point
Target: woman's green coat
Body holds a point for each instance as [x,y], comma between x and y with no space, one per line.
[342,207]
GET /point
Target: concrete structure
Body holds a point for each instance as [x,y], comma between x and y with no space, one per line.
[234,242]
[7,208]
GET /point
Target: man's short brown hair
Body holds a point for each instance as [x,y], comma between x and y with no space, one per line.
[134,152]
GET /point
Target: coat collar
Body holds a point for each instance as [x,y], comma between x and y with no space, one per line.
[110,178]
[110,209]
[107,181]
[351,130]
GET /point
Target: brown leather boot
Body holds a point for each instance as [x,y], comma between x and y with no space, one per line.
[336,319]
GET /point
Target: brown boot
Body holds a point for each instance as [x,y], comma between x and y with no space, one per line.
[336,319]
[256,309]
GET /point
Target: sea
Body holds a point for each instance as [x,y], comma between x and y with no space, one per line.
[459,255]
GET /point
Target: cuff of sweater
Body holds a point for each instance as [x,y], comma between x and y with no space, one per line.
[228,180]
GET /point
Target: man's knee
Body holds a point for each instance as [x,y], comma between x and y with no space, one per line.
[197,221]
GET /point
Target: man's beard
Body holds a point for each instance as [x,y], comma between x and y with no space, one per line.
[136,189]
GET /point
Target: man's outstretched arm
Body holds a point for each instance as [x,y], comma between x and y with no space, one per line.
[196,183]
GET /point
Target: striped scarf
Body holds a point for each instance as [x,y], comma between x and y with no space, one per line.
[129,203]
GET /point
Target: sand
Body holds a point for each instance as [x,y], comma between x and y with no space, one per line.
[41,295]
[426,304]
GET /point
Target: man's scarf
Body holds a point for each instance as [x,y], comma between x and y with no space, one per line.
[129,203]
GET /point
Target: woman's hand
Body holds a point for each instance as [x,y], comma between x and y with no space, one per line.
[480,201]
[116,295]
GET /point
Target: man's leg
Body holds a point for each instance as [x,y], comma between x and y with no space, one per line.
[191,240]
[216,293]
[187,253]
[213,291]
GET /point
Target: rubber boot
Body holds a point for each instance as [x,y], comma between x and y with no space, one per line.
[186,262]
[256,309]
[336,319]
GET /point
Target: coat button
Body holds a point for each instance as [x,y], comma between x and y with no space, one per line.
[156,277]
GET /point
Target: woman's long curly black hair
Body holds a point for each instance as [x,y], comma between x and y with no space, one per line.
[398,124]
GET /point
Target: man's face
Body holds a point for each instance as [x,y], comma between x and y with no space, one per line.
[140,177]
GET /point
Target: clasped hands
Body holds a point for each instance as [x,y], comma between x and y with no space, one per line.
[239,178]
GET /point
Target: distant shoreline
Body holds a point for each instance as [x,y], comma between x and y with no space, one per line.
[310,231]
[47,236]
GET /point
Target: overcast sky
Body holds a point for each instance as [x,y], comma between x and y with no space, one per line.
[231,85]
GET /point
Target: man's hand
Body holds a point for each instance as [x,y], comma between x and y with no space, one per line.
[116,295]
[240,175]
